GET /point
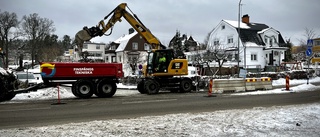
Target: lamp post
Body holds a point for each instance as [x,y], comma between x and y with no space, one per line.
[239,39]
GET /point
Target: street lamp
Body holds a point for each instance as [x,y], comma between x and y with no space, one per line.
[239,39]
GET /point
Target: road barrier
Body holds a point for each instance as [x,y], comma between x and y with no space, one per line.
[264,83]
[240,84]
[221,85]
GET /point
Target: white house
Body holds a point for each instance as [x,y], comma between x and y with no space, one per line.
[95,50]
[259,45]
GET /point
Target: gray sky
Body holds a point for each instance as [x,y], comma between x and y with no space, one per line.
[164,17]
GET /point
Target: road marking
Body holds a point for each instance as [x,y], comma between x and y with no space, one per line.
[30,109]
[148,101]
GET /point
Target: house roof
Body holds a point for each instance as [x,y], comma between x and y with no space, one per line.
[249,32]
[123,41]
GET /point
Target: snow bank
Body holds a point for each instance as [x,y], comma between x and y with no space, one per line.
[294,120]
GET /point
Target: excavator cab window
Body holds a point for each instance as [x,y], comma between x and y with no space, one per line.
[162,60]
[150,63]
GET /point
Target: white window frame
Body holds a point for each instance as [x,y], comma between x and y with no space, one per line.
[230,39]
[254,57]
[98,47]
[85,46]
[135,45]
[146,46]
[216,42]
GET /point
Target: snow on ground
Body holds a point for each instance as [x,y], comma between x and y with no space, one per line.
[293,120]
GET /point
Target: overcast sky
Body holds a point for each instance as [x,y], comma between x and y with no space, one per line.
[164,17]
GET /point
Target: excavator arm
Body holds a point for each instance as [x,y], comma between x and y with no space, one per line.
[120,11]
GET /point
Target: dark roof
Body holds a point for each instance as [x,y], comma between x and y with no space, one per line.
[257,26]
[282,43]
[249,35]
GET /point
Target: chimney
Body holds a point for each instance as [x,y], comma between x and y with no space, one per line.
[245,18]
[131,30]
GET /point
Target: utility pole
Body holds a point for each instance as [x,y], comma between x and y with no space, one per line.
[239,39]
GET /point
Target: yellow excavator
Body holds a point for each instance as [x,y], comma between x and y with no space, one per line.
[169,75]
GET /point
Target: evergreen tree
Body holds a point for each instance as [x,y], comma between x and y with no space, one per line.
[288,53]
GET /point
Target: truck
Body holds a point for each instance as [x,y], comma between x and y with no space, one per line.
[86,79]
[172,74]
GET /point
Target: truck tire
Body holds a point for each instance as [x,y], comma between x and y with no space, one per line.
[185,85]
[151,87]
[106,88]
[74,92]
[84,88]
[140,87]
[3,90]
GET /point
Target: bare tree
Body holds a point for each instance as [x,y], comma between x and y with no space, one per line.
[217,52]
[7,22]
[36,29]
[308,34]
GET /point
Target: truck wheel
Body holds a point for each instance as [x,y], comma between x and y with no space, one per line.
[151,86]
[84,88]
[185,85]
[106,88]
[9,96]
[140,87]
[74,92]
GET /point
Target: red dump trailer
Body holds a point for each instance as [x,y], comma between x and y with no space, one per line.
[86,78]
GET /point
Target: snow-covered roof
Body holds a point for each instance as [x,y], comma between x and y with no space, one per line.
[123,41]
[235,24]
[125,37]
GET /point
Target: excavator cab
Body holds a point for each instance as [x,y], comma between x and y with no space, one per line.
[174,64]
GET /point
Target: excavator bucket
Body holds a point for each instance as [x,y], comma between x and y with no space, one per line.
[80,38]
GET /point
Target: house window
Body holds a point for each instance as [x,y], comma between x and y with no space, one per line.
[107,59]
[230,39]
[85,46]
[146,46]
[317,43]
[113,59]
[254,57]
[134,46]
[113,48]
[266,40]
[216,42]
[270,42]
[97,46]
[223,27]
[119,58]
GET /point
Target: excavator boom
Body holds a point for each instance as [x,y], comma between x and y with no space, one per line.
[120,11]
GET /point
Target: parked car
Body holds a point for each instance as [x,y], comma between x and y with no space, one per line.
[24,77]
